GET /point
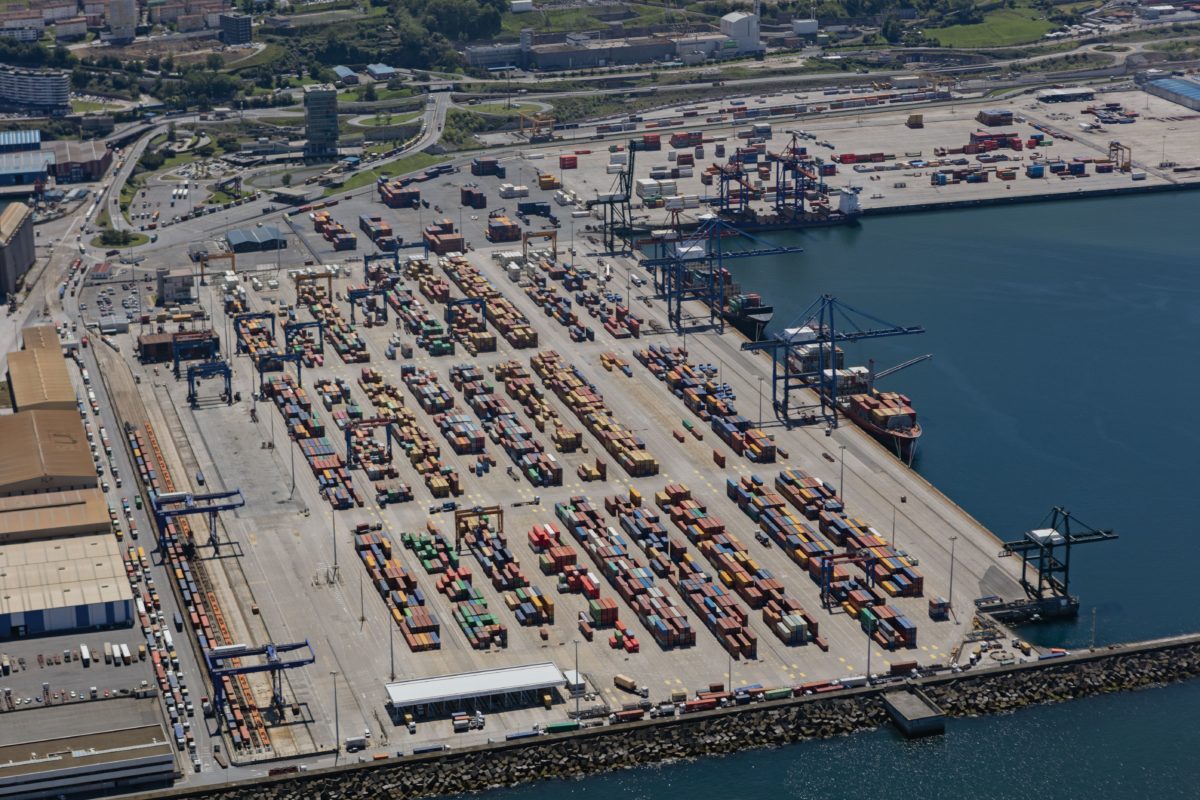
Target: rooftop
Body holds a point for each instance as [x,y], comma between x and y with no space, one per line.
[53,514]
[67,151]
[44,445]
[38,377]
[62,573]
[11,218]
[483,683]
[26,138]
[27,161]
[1189,89]
[127,728]
[40,337]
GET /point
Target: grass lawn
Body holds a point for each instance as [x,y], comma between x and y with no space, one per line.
[410,163]
[265,56]
[385,120]
[138,239]
[382,93]
[500,109]
[84,106]
[104,220]
[1005,26]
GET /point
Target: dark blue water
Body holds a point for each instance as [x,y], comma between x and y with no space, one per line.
[1064,372]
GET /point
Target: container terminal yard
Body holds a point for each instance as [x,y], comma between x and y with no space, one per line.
[478,484]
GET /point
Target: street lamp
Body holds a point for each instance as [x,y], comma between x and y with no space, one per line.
[760,416]
[575,688]
[337,721]
[953,539]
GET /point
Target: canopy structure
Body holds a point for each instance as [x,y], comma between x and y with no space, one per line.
[507,685]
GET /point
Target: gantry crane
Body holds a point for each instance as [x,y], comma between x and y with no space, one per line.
[618,218]
[352,461]
[355,294]
[865,560]
[239,322]
[794,176]
[1121,155]
[551,236]
[226,662]
[538,126]
[1041,548]
[194,346]
[702,255]
[825,324]
[205,258]
[208,369]
[181,504]
[295,330]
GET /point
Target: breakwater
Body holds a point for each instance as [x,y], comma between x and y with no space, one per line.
[981,691]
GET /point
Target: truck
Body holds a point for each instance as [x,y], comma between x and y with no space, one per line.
[628,684]
[355,743]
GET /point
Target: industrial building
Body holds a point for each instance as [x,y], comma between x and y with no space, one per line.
[20,141]
[67,752]
[256,240]
[743,28]
[582,51]
[1185,92]
[25,169]
[381,72]
[63,584]
[38,381]
[53,515]
[505,686]
[49,453]
[174,285]
[76,162]
[40,337]
[16,244]
[1076,95]
[320,120]
[345,75]
[236,28]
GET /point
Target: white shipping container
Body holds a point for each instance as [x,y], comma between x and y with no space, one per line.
[613,169]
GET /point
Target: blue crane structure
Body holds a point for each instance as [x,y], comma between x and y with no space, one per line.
[194,346]
[294,330]
[823,325]
[265,365]
[729,175]
[220,663]
[208,369]
[1042,548]
[239,319]
[392,256]
[352,461]
[794,176]
[866,560]
[692,267]
[182,504]
[453,305]
[363,292]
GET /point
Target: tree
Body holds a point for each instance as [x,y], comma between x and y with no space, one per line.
[115,238]
[171,135]
[214,62]
[286,180]
[368,94]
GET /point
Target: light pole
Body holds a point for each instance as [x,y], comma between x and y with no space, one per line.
[842,474]
[870,633]
[575,688]
[953,539]
[337,721]
[760,416]
[392,649]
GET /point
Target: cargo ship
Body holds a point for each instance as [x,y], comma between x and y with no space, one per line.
[748,314]
[888,416]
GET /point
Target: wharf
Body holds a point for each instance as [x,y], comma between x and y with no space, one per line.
[914,713]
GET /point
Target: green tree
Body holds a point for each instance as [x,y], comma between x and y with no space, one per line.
[214,62]
[286,180]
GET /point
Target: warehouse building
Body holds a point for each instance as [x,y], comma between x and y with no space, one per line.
[67,752]
[256,240]
[53,515]
[743,28]
[345,75]
[1077,95]
[20,141]
[48,451]
[63,585]
[38,381]
[25,169]
[16,243]
[1182,91]
[75,162]
[40,337]
[505,687]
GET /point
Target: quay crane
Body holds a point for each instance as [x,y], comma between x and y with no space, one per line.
[824,324]
[1047,550]
[226,662]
